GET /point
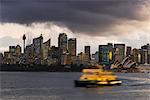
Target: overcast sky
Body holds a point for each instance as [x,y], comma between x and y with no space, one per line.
[92,22]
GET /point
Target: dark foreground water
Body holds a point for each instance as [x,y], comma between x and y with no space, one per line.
[59,86]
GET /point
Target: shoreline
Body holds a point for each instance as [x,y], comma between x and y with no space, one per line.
[40,68]
[60,68]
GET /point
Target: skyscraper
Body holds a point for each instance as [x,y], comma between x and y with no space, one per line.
[54,56]
[82,59]
[87,52]
[29,54]
[1,59]
[37,48]
[139,56]
[135,55]
[46,48]
[106,54]
[95,56]
[72,48]
[63,46]
[119,52]
[62,42]
[54,52]
[111,53]
[145,54]
[128,51]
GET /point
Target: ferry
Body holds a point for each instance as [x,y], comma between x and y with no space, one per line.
[97,77]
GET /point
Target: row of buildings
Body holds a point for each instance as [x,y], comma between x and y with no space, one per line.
[40,52]
[109,54]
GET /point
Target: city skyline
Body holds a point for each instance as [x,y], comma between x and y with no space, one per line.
[68,39]
[40,52]
[91,22]
[74,49]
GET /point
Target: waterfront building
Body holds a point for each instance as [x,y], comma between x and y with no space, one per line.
[72,48]
[95,56]
[87,51]
[29,55]
[12,49]
[18,50]
[71,60]
[135,55]
[111,53]
[1,59]
[82,59]
[18,53]
[63,59]
[37,49]
[63,48]
[148,47]
[106,55]
[46,48]
[54,52]
[7,57]
[13,55]
[139,56]
[54,56]
[145,54]
[119,52]
[62,42]
[128,51]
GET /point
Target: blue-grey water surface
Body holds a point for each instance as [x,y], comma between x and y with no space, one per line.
[59,86]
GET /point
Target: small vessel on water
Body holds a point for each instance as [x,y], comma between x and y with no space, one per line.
[97,77]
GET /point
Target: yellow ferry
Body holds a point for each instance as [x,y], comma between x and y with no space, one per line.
[97,77]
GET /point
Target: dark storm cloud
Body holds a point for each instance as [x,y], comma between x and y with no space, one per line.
[86,16]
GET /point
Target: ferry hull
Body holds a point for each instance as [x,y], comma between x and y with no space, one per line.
[89,83]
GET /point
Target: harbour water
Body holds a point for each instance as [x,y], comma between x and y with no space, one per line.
[59,86]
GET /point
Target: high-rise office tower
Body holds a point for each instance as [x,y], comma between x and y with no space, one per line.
[62,43]
[111,53]
[72,46]
[145,56]
[37,48]
[46,47]
[87,52]
[135,55]
[128,51]
[119,52]
[106,55]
